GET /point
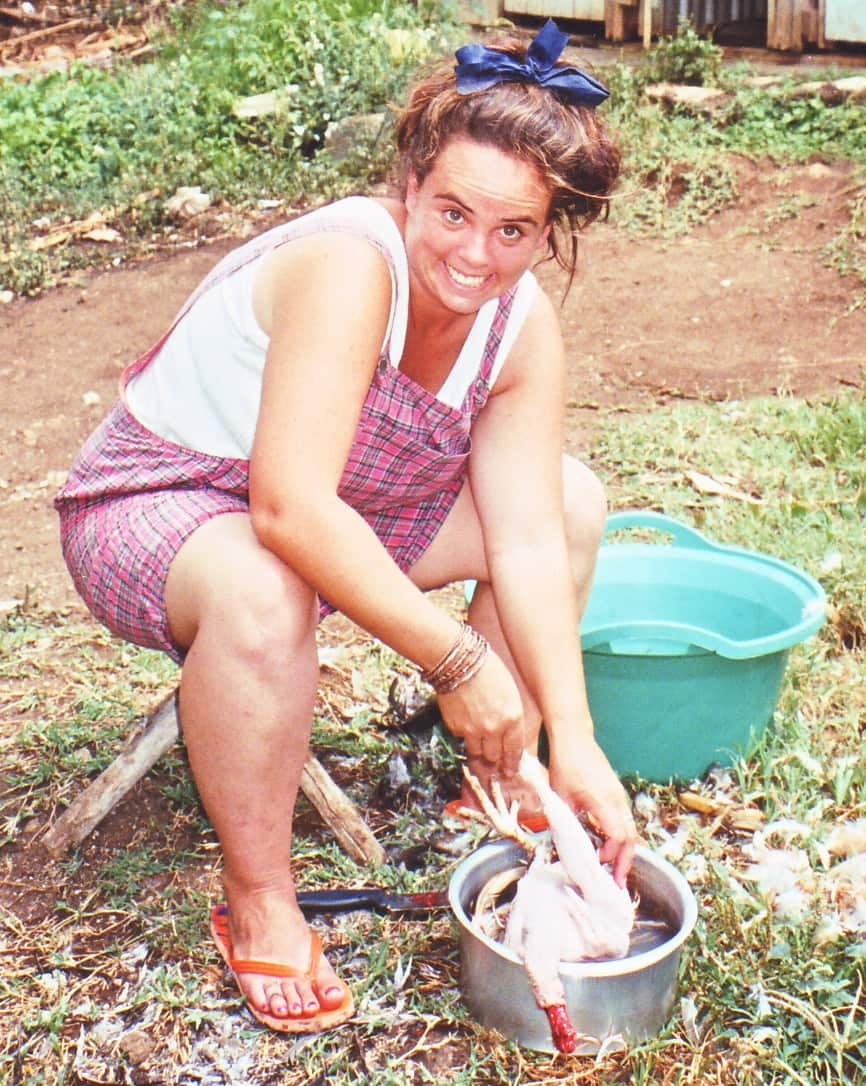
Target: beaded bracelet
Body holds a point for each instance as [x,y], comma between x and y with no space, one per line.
[461,662]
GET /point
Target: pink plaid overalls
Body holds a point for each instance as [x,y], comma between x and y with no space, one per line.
[132,497]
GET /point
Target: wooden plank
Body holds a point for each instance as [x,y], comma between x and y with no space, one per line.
[620,19]
[142,750]
[785,30]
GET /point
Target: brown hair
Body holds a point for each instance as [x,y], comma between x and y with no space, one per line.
[569,145]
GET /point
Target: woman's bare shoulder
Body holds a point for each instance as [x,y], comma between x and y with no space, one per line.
[338,263]
[537,349]
[395,208]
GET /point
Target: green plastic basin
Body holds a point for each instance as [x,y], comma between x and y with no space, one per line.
[685,645]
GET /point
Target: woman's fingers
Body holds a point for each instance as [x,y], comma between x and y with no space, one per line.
[487,713]
[619,852]
[513,743]
[583,777]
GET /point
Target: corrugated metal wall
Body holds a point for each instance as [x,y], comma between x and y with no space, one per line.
[706,14]
[560,9]
[846,20]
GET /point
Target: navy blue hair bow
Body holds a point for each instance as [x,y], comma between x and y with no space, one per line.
[479,67]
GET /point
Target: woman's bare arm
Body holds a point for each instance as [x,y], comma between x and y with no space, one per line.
[329,302]
[515,473]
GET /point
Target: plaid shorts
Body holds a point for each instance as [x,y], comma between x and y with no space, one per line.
[119,542]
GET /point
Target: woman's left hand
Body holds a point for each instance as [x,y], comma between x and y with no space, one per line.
[582,775]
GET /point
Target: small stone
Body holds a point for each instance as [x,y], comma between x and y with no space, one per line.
[187,202]
[136,1046]
[343,138]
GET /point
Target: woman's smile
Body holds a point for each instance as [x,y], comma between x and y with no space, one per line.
[470,282]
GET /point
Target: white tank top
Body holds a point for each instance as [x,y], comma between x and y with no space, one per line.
[202,390]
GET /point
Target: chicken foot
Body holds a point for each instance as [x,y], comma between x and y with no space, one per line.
[498,814]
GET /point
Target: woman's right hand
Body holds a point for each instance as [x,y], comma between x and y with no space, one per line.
[487,714]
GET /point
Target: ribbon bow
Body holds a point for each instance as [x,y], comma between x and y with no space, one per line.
[479,67]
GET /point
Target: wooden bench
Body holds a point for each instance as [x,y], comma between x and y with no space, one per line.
[157,734]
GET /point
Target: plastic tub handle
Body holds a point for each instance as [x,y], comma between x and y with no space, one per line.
[644,518]
[679,632]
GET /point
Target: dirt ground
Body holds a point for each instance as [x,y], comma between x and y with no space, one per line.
[743,306]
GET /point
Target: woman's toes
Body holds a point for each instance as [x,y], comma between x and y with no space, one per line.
[305,1001]
[331,994]
[277,1005]
[270,999]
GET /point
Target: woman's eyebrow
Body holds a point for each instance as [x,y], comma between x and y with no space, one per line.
[451,198]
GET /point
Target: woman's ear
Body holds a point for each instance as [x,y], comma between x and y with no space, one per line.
[543,236]
[412,186]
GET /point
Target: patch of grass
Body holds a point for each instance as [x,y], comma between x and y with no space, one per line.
[847,251]
[67,734]
[802,463]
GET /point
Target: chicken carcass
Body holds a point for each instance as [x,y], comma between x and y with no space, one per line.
[566,909]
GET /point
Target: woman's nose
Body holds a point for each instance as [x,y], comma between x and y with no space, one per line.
[474,249]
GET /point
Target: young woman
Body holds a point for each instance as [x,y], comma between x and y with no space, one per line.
[363,404]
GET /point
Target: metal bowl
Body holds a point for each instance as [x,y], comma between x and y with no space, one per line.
[631,996]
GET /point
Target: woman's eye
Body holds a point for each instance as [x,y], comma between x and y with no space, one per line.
[512,232]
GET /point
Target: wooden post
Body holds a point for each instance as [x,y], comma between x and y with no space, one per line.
[785,25]
[156,737]
[620,19]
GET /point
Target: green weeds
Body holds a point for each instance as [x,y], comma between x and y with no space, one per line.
[685,57]
[122,141]
[847,251]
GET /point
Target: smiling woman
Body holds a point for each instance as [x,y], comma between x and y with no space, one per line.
[355,407]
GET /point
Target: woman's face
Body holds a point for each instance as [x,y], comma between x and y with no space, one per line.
[474,225]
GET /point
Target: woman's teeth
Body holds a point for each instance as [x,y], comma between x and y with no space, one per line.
[468,281]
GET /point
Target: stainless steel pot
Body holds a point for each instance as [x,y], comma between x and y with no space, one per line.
[632,996]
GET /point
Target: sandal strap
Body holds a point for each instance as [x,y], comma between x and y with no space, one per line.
[277,969]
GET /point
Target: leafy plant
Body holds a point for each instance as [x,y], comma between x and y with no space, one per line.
[685,57]
[105,139]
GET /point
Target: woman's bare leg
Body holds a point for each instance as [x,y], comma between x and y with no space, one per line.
[457,553]
[246,701]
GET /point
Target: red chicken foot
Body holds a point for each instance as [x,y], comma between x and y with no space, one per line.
[561,1029]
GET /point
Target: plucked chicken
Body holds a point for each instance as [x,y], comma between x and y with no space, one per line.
[567,907]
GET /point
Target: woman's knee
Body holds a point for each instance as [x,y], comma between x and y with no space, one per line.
[226,586]
[585,508]
[265,613]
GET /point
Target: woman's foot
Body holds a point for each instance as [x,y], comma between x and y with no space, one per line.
[277,963]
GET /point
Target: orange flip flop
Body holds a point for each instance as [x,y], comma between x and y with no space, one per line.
[535,823]
[311,1023]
